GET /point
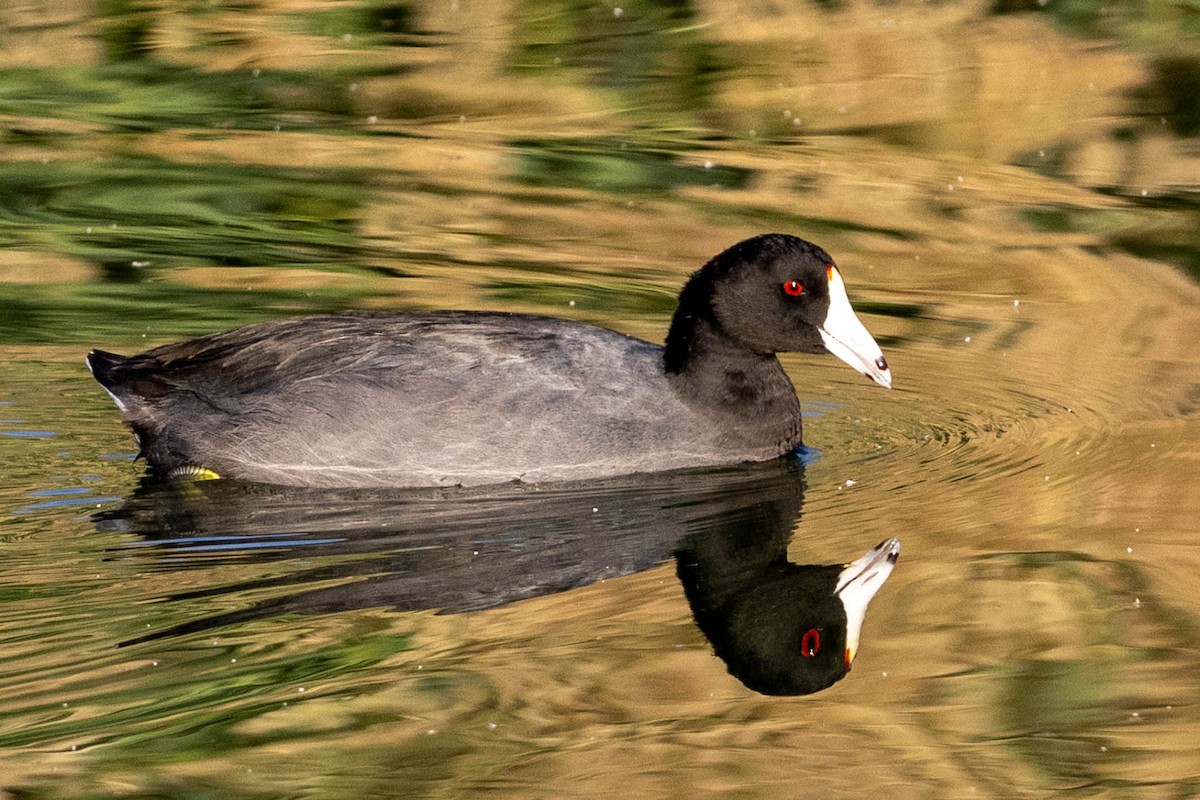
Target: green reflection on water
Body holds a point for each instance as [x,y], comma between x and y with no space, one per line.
[136,209]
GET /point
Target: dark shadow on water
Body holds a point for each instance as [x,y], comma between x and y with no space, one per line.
[466,550]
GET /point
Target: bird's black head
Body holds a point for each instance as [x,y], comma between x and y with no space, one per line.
[775,293]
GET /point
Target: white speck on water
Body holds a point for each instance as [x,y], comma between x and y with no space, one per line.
[557,60]
[753,133]
[1152,444]
[154,663]
[89,229]
[885,674]
[797,122]
[462,118]
[278,128]
[708,165]
[1134,714]
[787,113]
[1128,549]
[371,120]
[431,732]
[420,666]
[950,187]
[1137,602]
[1047,477]
[346,37]
[300,690]
[233,661]
[1016,304]
[474,552]
[139,263]
[1041,153]
[354,87]
[491,726]
[959,179]
[850,481]
[618,11]
[1103,749]
[1144,192]
[967,339]
[595,509]
[571,303]
[256,72]
[1137,530]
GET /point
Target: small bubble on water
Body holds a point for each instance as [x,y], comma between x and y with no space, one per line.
[618,11]
[1128,549]
[1145,193]
[571,303]
[491,726]
[967,339]
[371,120]
[346,37]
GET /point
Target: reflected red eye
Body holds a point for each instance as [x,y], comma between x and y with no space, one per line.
[810,645]
[793,288]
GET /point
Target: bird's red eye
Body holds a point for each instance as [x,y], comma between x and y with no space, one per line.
[810,645]
[793,288]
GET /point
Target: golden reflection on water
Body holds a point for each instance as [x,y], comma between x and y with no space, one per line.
[991,192]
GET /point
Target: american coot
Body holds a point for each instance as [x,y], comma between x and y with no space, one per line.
[453,397]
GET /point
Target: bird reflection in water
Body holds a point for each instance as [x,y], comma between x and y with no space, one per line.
[781,628]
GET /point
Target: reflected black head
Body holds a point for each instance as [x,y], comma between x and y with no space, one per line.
[766,294]
[782,633]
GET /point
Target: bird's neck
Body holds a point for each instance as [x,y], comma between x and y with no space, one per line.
[709,367]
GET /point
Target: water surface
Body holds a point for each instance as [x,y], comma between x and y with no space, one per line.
[1010,194]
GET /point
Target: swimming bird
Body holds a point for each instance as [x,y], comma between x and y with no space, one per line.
[456,397]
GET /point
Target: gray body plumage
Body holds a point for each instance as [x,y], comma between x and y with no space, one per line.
[390,399]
